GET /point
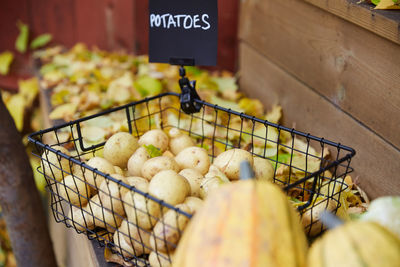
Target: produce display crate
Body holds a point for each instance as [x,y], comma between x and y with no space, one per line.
[214,128]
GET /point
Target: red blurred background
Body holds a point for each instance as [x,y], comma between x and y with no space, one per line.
[107,24]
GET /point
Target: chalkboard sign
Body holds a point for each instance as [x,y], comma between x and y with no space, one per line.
[183,32]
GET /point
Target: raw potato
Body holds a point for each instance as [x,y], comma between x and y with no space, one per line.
[170,187]
[168,154]
[136,239]
[119,148]
[103,217]
[313,216]
[215,172]
[55,166]
[194,203]
[119,171]
[229,162]
[111,193]
[179,141]
[263,169]
[141,211]
[209,184]
[157,164]
[168,230]
[74,190]
[101,165]
[80,219]
[137,160]
[193,158]
[194,178]
[158,259]
[138,182]
[156,138]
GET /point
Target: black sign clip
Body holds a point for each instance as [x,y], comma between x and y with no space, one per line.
[189,95]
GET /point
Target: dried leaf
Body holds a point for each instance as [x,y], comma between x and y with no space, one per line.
[387,4]
[64,111]
[41,41]
[29,89]
[16,106]
[275,114]
[22,40]
[115,258]
[6,59]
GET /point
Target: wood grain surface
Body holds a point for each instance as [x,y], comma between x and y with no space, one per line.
[356,70]
[385,23]
[376,163]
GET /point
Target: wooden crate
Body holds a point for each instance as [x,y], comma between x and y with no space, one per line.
[334,66]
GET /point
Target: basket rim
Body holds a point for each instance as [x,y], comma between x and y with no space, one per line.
[292,131]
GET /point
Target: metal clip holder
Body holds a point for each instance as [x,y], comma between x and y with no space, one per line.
[189,95]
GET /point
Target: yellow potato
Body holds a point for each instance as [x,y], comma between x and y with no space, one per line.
[311,218]
[137,160]
[140,210]
[179,141]
[194,203]
[81,219]
[135,241]
[229,162]
[263,169]
[74,190]
[193,158]
[110,194]
[194,178]
[170,187]
[156,138]
[168,154]
[159,259]
[119,148]
[119,171]
[54,165]
[169,229]
[138,182]
[157,164]
[103,217]
[93,179]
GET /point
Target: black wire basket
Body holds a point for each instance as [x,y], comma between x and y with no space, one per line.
[311,171]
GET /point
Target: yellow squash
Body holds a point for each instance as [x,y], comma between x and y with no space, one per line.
[356,244]
[247,223]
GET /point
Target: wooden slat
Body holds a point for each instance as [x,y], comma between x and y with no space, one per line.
[385,23]
[376,163]
[355,69]
[56,17]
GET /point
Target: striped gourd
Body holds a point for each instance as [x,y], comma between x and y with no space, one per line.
[247,223]
[356,244]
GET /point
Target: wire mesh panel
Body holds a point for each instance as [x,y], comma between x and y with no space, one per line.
[98,199]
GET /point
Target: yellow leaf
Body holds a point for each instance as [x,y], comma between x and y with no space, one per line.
[16,106]
[63,111]
[6,59]
[29,90]
[388,4]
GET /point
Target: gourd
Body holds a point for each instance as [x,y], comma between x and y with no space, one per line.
[356,244]
[247,223]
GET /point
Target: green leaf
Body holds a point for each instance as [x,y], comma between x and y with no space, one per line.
[375,2]
[22,40]
[41,41]
[6,59]
[148,86]
[153,151]
[47,68]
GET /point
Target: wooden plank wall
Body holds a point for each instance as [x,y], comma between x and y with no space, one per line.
[333,78]
[108,24]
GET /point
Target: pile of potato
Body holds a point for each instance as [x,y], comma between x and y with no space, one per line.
[165,164]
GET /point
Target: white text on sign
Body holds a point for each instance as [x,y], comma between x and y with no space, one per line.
[187,22]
